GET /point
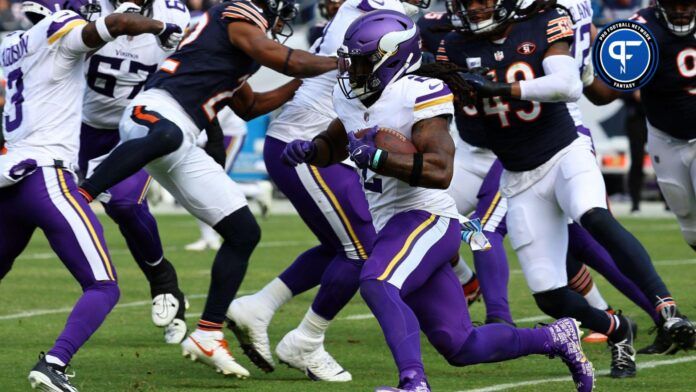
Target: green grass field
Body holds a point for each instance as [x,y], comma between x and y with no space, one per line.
[128,353]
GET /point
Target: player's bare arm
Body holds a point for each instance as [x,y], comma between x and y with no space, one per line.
[248,104]
[292,62]
[436,150]
[96,34]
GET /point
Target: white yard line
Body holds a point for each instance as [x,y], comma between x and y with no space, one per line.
[643,365]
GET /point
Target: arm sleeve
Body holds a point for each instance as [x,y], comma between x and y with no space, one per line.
[561,82]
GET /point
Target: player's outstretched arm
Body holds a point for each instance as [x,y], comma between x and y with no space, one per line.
[432,165]
[325,149]
[106,29]
[248,104]
[267,52]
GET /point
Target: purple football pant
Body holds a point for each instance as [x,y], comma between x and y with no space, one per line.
[128,205]
[332,204]
[492,265]
[409,285]
[48,199]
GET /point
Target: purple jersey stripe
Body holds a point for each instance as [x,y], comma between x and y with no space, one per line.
[440,93]
[56,26]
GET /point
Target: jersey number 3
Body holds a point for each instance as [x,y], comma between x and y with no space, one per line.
[16,84]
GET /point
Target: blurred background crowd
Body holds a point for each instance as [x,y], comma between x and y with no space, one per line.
[618,129]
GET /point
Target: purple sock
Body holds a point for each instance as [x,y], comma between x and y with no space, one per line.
[493,274]
[87,315]
[339,284]
[306,271]
[398,322]
[586,249]
[500,342]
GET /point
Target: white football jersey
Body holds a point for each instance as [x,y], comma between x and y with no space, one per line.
[402,104]
[315,93]
[45,83]
[117,72]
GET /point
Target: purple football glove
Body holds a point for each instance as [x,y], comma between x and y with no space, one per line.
[170,36]
[362,150]
[298,152]
[23,169]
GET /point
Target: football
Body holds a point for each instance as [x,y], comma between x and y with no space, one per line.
[391,141]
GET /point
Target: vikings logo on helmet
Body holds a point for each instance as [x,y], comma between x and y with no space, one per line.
[378,49]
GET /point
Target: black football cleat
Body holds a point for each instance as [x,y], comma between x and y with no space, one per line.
[49,377]
[662,345]
[682,331]
[623,355]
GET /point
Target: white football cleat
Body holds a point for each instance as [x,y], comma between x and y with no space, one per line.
[204,244]
[175,332]
[164,309]
[249,323]
[300,352]
[212,350]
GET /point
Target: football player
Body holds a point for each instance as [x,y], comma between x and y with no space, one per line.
[332,204]
[545,168]
[671,90]
[407,281]
[327,10]
[45,84]
[160,126]
[115,74]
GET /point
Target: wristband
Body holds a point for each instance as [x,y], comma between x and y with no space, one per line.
[379,159]
[103,31]
[417,169]
[287,60]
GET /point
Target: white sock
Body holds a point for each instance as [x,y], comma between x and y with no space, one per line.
[208,233]
[205,334]
[594,297]
[464,273]
[54,360]
[313,325]
[275,294]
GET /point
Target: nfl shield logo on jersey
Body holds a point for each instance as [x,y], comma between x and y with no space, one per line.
[499,55]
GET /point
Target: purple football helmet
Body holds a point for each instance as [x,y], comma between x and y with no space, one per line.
[36,10]
[378,49]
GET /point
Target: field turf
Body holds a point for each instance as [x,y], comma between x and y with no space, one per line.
[128,353]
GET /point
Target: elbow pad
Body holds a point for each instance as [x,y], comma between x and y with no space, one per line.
[560,84]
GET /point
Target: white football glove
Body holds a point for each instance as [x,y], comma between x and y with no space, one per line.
[128,8]
[587,74]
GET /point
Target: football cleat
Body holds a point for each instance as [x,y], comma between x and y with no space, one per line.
[623,355]
[662,345]
[164,309]
[417,383]
[203,244]
[300,352]
[249,323]
[472,291]
[212,350]
[175,332]
[682,332]
[565,336]
[49,377]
